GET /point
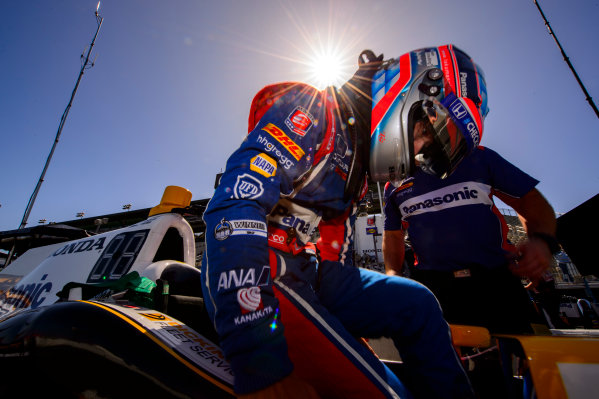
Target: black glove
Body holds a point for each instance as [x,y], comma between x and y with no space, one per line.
[357,89]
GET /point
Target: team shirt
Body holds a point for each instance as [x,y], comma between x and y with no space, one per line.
[453,223]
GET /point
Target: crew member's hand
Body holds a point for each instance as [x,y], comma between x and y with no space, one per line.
[531,259]
[290,387]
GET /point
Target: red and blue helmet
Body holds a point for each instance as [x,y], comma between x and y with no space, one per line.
[440,86]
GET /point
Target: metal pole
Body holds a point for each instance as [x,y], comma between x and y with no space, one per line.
[378,186]
[567,59]
[63,119]
[60,126]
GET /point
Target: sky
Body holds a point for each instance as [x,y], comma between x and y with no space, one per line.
[167,99]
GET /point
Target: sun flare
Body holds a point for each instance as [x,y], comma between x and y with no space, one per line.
[326,69]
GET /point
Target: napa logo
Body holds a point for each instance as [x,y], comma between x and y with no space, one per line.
[264,165]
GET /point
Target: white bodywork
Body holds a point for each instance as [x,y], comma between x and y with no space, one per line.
[95,259]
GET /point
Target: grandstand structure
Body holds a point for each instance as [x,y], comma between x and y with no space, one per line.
[565,273]
[563,270]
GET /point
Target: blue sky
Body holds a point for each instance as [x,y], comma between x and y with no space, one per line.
[168,98]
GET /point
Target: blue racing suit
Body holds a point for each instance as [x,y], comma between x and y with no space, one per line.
[278,301]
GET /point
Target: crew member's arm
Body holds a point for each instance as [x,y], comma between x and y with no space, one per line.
[393,251]
[538,219]
[393,235]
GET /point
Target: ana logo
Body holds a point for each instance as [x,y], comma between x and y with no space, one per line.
[282,215]
[264,165]
[282,138]
[458,110]
[223,230]
[247,187]
[236,278]
[249,299]
[299,121]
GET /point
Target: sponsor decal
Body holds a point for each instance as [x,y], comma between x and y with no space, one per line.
[264,165]
[81,246]
[463,84]
[247,187]
[404,186]
[185,341]
[372,231]
[460,114]
[370,221]
[277,238]
[223,230]
[154,316]
[242,227]
[246,318]
[447,66]
[270,147]
[25,295]
[458,109]
[249,299]
[431,58]
[282,215]
[285,141]
[299,121]
[236,278]
[460,194]
[248,227]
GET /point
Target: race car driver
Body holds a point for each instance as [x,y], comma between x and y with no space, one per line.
[287,311]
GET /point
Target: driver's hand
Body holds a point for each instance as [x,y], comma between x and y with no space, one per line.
[531,259]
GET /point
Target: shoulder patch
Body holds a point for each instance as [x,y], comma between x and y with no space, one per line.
[299,121]
[405,185]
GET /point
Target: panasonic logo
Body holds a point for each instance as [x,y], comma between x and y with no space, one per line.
[463,84]
[467,193]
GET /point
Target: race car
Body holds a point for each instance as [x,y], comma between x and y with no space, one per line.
[121,314]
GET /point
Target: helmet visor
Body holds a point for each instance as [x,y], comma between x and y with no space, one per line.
[446,146]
